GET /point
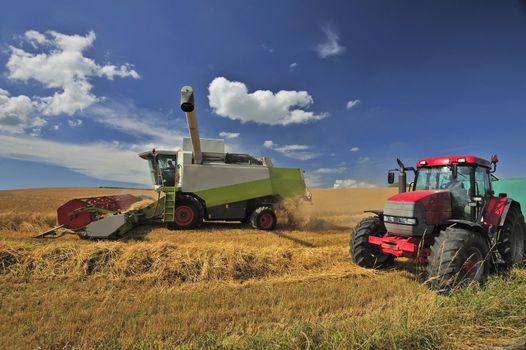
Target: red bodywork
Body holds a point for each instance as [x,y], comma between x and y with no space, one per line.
[79,212]
[441,161]
[407,247]
[437,204]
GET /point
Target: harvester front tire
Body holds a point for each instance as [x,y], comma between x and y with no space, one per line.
[263,218]
[364,253]
[458,257]
[188,213]
[510,242]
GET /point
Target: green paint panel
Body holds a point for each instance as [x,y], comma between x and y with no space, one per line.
[287,182]
[514,188]
[236,193]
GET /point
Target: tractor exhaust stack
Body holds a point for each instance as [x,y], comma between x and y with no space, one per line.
[188,107]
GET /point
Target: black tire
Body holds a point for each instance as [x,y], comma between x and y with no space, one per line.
[364,253]
[510,240]
[458,257]
[263,218]
[188,213]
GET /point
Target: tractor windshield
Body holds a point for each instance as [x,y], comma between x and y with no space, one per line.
[441,178]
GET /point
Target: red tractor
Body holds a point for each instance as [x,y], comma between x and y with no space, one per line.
[450,220]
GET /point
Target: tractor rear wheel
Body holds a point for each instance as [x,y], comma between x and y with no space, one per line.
[188,213]
[510,242]
[364,253]
[458,257]
[263,218]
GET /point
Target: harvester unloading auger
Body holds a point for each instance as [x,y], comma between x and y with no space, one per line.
[199,182]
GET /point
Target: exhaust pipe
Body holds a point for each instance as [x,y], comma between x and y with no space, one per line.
[402,177]
[188,107]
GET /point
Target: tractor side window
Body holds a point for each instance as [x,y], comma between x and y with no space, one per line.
[482,183]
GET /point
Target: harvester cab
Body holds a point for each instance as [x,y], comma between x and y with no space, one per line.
[450,219]
[196,183]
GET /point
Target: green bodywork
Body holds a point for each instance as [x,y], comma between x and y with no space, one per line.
[514,188]
[282,182]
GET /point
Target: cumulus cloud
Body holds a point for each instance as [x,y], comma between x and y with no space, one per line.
[352,103]
[74,123]
[229,135]
[17,113]
[330,47]
[60,66]
[301,152]
[351,183]
[355,149]
[105,161]
[293,65]
[231,99]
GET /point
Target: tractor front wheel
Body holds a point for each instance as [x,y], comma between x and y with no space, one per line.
[188,213]
[458,257]
[364,253]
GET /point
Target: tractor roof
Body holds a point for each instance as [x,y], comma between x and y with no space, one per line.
[441,161]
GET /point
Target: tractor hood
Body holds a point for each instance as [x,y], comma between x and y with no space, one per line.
[411,213]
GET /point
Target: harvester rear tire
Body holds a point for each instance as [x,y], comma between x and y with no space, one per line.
[188,213]
[510,241]
[458,257]
[364,253]
[263,218]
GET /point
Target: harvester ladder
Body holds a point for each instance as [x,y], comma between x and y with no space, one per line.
[169,205]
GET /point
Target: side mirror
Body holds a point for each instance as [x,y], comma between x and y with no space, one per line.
[390,178]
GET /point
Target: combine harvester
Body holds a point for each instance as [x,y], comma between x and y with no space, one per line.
[456,218]
[200,182]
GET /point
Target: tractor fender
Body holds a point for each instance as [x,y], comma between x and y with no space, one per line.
[509,203]
[378,213]
[470,225]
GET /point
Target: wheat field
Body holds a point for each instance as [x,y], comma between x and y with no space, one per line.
[226,286]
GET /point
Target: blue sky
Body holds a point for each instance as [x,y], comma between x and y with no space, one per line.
[85,86]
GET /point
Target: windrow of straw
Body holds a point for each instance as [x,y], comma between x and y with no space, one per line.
[25,222]
[160,262]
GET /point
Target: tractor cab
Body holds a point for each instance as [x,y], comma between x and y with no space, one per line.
[163,167]
[467,180]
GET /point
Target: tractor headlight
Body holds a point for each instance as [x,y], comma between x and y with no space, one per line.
[400,220]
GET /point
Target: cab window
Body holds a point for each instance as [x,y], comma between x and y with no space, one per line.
[482,182]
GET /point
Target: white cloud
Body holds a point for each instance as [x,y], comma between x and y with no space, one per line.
[351,103]
[17,113]
[229,135]
[105,161]
[293,65]
[351,183]
[60,66]
[330,47]
[364,160]
[355,149]
[301,152]
[55,127]
[329,171]
[74,123]
[231,99]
